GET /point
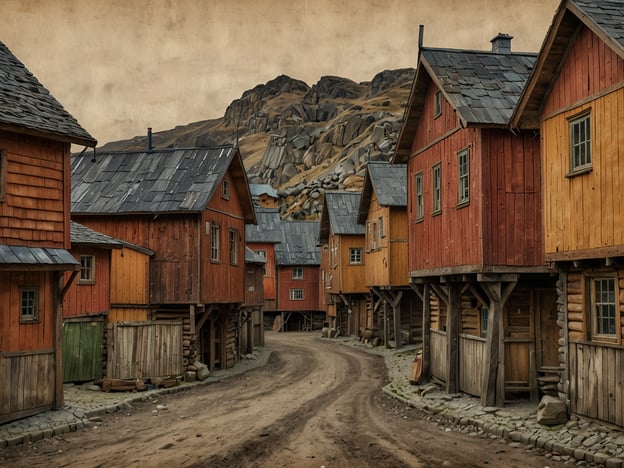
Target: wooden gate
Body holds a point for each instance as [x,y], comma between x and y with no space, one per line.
[141,350]
[82,349]
[471,363]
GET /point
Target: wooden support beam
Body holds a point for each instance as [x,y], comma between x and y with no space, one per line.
[426,330]
[204,316]
[452,337]
[385,325]
[57,280]
[417,288]
[396,313]
[441,292]
[476,292]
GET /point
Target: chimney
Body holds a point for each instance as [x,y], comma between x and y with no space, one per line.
[149,139]
[501,44]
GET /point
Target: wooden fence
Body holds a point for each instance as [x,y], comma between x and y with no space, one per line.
[471,363]
[438,354]
[141,350]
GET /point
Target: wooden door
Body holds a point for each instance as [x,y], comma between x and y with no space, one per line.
[548,332]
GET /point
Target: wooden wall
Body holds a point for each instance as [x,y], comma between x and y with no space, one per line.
[347,279]
[309,284]
[37,205]
[89,299]
[130,277]
[254,289]
[269,268]
[431,128]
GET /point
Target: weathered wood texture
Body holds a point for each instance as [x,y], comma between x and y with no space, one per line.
[82,349]
[438,354]
[127,314]
[386,265]
[130,280]
[37,335]
[142,350]
[269,270]
[344,277]
[471,361]
[309,284]
[254,288]
[36,208]
[28,383]
[430,129]
[86,299]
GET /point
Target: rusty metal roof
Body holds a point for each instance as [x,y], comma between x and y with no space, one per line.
[25,103]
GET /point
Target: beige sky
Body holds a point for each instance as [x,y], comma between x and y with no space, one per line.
[120,66]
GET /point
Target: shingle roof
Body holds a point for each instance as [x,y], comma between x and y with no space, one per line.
[26,103]
[388,182]
[14,256]
[86,236]
[340,212]
[608,15]
[299,246]
[253,257]
[269,227]
[159,181]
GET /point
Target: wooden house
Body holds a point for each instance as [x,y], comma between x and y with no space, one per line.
[262,238]
[252,312]
[190,207]
[475,231]
[298,261]
[575,98]
[383,213]
[264,196]
[36,133]
[344,293]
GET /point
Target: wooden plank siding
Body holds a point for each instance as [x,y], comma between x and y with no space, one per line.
[346,278]
[309,284]
[269,281]
[89,299]
[130,277]
[254,290]
[36,207]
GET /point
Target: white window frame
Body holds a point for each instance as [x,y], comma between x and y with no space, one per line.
[580,142]
[233,240]
[87,269]
[604,306]
[437,188]
[29,304]
[463,177]
[420,200]
[215,242]
[355,255]
[297,273]
[296,294]
[225,189]
[437,104]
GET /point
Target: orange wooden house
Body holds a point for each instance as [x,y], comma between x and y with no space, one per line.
[190,207]
[35,137]
[475,232]
[575,98]
[344,294]
[383,212]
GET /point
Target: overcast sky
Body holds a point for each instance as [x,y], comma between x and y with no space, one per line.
[120,66]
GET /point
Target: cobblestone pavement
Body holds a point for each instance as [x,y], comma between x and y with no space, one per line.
[580,442]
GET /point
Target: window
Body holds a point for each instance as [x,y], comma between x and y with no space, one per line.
[437,104]
[437,188]
[262,253]
[463,165]
[297,273]
[225,189]
[374,228]
[215,242]
[418,188]
[355,256]
[29,308]
[233,236]
[87,269]
[3,172]
[380,223]
[580,143]
[603,308]
[296,294]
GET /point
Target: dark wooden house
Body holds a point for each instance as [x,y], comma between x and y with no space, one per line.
[298,261]
[575,98]
[383,212]
[475,233]
[252,312]
[344,293]
[36,133]
[190,207]
[262,238]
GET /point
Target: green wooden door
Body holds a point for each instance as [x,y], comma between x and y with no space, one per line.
[82,350]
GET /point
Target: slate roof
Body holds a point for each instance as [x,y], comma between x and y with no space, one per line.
[27,104]
[83,235]
[262,189]
[253,257]
[299,246]
[159,181]
[340,212]
[14,256]
[388,182]
[605,18]
[483,87]
[269,227]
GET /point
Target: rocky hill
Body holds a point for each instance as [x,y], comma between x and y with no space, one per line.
[303,140]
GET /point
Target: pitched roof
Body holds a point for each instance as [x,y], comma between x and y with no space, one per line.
[605,18]
[340,211]
[388,182]
[26,104]
[82,235]
[16,256]
[483,87]
[299,246]
[159,181]
[269,227]
[262,189]
[253,257]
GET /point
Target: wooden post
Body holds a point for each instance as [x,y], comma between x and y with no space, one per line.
[385,330]
[213,348]
[57,279]
[396,313]
[426,331]
[452,338]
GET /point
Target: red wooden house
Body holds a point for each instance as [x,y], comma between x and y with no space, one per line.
[475,232]
[344,293]
[190,207]
[252,314]
[298,261]
[35,137]
[575,98]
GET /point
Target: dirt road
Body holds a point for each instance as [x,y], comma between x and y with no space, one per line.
[315,404]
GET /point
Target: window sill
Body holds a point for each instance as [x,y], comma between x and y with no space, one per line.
[579,172]
[419,220]
[463,204]
[436,213]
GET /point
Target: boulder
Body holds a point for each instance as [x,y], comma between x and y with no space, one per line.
[202,370]
[551,411]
